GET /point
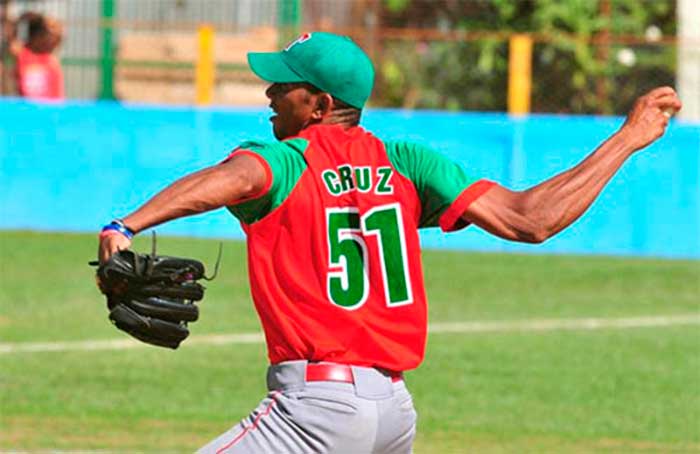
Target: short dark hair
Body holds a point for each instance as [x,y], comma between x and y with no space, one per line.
[344,111]
[35,23]
[349,114]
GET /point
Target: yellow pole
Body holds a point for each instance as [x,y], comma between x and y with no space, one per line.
[204,71]
[519,74]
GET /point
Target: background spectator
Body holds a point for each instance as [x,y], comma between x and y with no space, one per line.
[38,70]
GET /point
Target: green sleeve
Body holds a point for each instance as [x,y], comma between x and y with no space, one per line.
[438,180]
[285,162]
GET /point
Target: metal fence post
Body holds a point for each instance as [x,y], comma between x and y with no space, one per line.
[519,74]
[289,20]
[204,71]
[107,59]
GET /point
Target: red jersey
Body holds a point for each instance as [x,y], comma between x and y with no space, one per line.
[39,76]
[335,267]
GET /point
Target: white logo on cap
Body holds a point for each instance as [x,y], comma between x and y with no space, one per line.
[303,38]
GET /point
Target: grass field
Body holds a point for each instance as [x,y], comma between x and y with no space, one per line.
[510,391]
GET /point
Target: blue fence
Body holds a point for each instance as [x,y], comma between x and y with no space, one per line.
[72,167]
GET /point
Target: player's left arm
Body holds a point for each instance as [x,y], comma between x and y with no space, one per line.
[538,213]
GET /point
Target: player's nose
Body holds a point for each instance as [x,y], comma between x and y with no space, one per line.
[272,91]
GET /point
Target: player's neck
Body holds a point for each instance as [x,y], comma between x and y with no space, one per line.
[347,118]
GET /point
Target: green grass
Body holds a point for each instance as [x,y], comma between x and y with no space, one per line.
[631,390]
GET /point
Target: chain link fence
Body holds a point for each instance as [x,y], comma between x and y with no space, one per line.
[591,57]
[587,57]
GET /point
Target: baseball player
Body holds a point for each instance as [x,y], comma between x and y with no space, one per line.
[331,215]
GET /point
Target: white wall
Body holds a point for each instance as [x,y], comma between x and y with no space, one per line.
[689,58]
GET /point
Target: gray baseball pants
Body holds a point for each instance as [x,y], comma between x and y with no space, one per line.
[372,415]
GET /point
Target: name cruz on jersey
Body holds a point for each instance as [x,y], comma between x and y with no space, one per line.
[345,179]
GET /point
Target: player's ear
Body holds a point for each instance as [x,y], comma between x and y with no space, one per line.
[324,106]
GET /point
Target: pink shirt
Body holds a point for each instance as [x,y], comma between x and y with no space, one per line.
[39,76]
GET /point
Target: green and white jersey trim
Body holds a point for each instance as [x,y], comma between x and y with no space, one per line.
[437,179]
[287,164]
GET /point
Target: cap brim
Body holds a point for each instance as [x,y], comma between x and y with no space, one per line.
[269,66]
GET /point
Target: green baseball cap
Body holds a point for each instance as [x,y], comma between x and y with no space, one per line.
[333,63]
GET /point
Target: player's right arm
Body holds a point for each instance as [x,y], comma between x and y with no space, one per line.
[239,178]
[542,211]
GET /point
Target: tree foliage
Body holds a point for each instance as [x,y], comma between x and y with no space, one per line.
[590,56]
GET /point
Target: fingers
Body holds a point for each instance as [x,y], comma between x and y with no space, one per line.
[669,104]
[109,244]
[661,103]
[650,115]
[104,253]
[665,99]
[661,91]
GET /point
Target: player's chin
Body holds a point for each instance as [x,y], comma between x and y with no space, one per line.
[279,133]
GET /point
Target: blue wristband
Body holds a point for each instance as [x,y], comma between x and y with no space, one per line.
[118,226]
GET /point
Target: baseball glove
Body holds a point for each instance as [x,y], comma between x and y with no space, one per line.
[152,297]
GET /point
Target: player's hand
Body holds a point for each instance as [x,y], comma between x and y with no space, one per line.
[649,117]
[110,244]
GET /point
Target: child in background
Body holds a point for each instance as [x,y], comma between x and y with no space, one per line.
[38,71]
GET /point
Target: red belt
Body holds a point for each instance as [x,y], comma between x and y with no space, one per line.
[338,372]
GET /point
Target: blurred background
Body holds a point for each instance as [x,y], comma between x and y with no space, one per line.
[580,56]
[105,102]
[144,91]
